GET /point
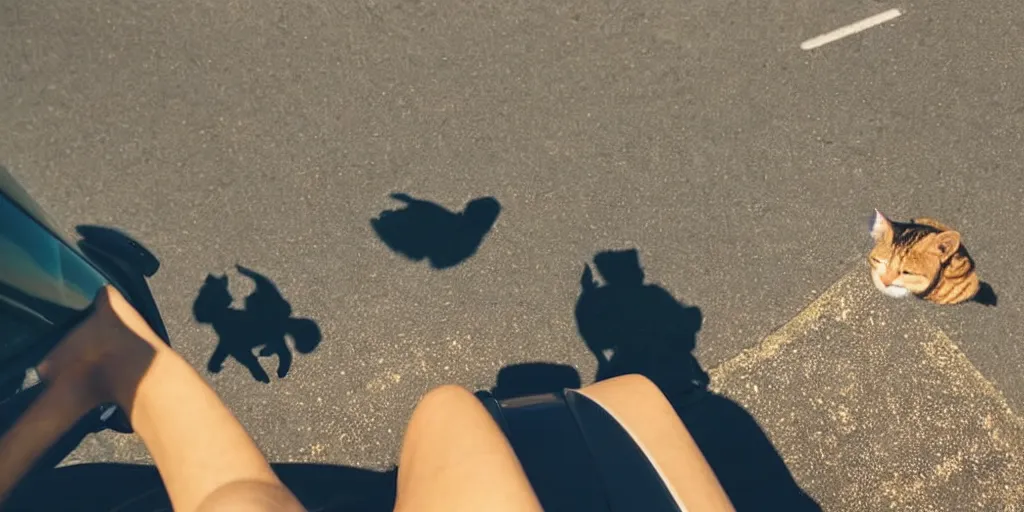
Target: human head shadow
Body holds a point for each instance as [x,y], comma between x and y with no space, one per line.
[635,327]
[426,230]
[265,322]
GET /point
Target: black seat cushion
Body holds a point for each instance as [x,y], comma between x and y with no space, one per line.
[577,456]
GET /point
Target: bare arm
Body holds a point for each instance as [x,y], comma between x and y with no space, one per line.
[204,455]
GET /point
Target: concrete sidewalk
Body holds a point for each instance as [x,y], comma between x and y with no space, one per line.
[874,408]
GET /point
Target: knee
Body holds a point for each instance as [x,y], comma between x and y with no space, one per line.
[446,397]
[444,405]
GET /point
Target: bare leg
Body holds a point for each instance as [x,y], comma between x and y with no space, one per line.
[455,458]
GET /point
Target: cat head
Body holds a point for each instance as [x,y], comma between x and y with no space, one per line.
[620,267]
[213,298]
[482,213]
[907,258]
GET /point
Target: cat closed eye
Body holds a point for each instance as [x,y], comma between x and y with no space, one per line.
[906,273]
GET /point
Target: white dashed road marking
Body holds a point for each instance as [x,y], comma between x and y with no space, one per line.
[850,29]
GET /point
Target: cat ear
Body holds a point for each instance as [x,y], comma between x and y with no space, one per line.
[881,228]
[946,244]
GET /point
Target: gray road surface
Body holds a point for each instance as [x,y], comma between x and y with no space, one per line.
[743,168]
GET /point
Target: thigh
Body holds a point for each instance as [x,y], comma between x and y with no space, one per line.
[455,457]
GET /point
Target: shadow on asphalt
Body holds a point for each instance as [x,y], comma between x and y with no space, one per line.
[265,323]
[633,327]
[986,295]
[629,325]
[425,230]
[129,263]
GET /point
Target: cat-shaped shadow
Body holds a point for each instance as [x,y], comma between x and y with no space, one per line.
[265,323]
[426,230]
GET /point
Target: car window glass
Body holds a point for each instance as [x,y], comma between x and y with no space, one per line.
[42,281]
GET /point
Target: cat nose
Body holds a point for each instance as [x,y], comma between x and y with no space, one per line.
[887,280]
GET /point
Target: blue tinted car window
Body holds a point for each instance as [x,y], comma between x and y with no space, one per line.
[42,281]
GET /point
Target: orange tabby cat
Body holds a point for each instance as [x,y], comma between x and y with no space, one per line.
[922,257]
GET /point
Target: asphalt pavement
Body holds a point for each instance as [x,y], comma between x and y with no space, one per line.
[742,168]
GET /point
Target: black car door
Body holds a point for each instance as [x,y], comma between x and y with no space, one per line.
[46,284]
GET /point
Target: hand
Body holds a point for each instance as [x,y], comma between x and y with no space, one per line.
[103,357]
[202,452]
[101,360]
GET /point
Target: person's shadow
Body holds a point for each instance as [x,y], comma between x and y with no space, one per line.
[633,327]
[265,323]
[426,230]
